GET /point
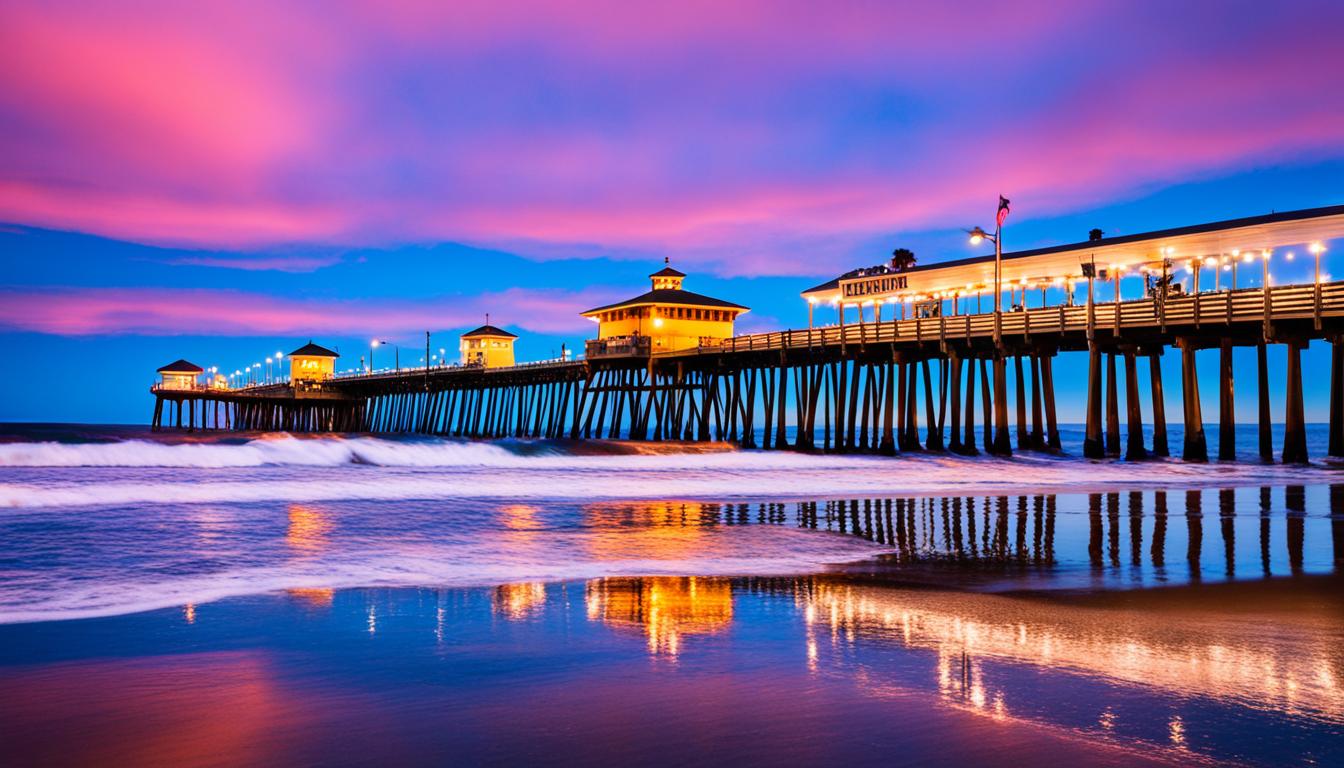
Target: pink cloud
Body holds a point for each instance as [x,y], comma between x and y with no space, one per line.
[170,312]
[749,138]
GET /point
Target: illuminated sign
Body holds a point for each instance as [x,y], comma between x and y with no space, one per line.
[873,285]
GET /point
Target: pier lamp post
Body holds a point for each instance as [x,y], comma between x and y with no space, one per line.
[257,366]
[372,346]
[978,236]
[268,370]
[279,374]
[1000,445]
[1316,249]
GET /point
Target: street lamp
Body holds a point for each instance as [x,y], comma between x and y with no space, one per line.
[1000,441]
[268,370]
[278,375]
[372,346]
[978,236]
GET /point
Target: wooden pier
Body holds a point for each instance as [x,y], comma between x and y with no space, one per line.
[863,387]
[883,386]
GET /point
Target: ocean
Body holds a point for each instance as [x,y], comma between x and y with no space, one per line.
[369,599]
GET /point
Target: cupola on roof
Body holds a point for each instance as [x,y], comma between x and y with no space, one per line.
[313,350]
[181,366]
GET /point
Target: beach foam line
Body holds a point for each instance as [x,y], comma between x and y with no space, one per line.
[771,553]
[493,473]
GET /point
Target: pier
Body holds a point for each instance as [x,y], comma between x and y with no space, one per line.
[918,380]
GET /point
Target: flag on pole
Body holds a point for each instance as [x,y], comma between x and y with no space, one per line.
[1003,210]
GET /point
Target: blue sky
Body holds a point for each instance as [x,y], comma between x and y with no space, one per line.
[217,182]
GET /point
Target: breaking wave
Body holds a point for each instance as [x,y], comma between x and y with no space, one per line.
[286,468]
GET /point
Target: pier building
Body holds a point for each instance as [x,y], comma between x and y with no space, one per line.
[179,375]
[667,318]
[312,363]
[488,347]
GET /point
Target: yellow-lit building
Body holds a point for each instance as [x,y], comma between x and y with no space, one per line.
[668,316]
[179,375]
[312,362]
[488,346]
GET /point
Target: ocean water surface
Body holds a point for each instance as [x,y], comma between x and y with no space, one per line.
[364,599]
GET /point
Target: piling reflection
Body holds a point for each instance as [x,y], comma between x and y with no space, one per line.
[665,609]
[1119,535]
[665,530]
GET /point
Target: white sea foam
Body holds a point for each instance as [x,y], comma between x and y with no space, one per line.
[486,561]
[372,469]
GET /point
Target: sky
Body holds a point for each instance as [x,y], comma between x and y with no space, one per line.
[221,181]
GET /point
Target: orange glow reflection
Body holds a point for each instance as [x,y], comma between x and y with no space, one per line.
[520,517]
[658,530]
[317,597]
[518,601]
[664,608]
[308,528]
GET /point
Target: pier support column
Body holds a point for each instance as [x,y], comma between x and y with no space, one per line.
[933,436]
[1001,445]
[1160,447]
[1262,381]
[953,388]
[1023,441]
[888,443]
[1051,417]
[986,406]
[1294,423]
[1336,446]
[1196,449]
[1134,414]
[1227,420]
[1092,445]
[1037,438]
[968,442]
[1112,408]
[911,408]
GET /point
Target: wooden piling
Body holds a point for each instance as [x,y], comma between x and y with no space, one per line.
[1093,448]
[1294,422]
[1112,408]
[1134,449]
[1227,420]
[1195,447]
[1001,445]
[1336,438]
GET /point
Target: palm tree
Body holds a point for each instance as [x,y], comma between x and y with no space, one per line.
[902,259]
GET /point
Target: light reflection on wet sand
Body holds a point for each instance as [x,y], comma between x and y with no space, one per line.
[1261,656]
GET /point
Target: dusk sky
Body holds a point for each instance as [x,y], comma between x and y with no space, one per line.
[178,180]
